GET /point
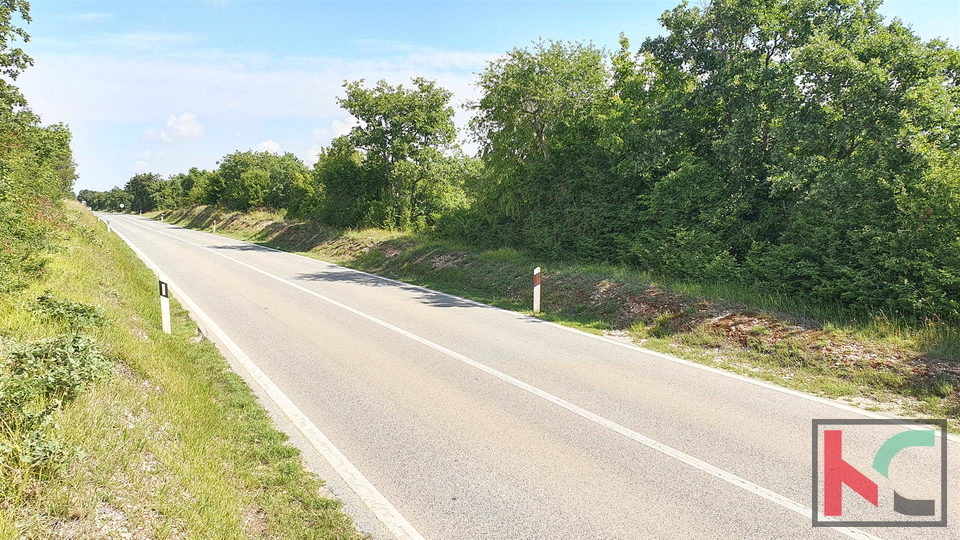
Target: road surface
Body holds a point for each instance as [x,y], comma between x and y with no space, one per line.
[474,422]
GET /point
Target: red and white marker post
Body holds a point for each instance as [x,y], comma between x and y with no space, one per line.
[536,290]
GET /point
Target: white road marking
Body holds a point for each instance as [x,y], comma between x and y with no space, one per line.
[696,463]
[378,504]
[618,343]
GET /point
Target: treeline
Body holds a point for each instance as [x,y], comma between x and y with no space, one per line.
[804,146]
[36,164]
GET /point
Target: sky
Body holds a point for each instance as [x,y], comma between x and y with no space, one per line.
[163,86]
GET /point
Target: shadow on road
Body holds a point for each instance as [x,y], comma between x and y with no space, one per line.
[244,247]
[424,296]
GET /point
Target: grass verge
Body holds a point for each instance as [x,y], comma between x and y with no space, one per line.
[876,362]
[168,444]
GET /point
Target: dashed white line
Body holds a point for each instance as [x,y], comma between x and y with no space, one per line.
[717,371]
[694,462]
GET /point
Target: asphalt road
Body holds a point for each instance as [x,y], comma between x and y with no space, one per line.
[476,422]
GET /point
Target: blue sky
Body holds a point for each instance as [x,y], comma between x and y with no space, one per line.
[163,86]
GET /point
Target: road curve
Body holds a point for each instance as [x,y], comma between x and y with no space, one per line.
[474,422]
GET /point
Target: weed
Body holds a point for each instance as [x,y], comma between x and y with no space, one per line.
[75,314]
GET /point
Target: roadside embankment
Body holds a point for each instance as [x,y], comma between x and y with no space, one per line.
[873,361]
[113,429]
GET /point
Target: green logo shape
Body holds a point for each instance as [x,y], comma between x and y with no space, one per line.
[900,441]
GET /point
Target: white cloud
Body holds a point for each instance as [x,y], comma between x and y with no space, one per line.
[150,156]
[140,166]
[154,134]
[313,155]
[343,127]
[268,146]
[184,126]
[92,17]
[129,88]
[323,136]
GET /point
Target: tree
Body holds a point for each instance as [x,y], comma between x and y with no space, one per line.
[538,123]
[269,186]
[530,94]
[144,190]
[401,130]
[346,193]
[113,199]
[803,144]
[36,164]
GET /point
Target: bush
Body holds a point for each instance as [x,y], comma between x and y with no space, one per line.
[75,314]
[36,380]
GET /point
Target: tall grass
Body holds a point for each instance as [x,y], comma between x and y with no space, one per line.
[173,444]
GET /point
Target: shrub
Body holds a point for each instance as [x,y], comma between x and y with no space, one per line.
[75,314]
[36,380]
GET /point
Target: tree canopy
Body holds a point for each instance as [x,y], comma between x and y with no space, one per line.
[807,147]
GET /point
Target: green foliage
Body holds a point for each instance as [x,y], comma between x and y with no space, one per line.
[254,179]
[805,147]
[36,380]
[144,190]
[403,133]
[76,315]
[36,165]
[544,182]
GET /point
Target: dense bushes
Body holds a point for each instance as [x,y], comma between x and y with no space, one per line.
[36,166]
[37,379]
[36,173]
[804,146]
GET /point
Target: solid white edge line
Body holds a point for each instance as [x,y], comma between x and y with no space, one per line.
[696,463]
[371,497]
[663,356]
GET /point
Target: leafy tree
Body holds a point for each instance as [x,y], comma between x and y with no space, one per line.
[346,193]
[36,164]
[402,130]
[538,123]
[145,191]
[269,186]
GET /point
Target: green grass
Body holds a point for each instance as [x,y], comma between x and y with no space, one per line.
[173,444]
[786,341]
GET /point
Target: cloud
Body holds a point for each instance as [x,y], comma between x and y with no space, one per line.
[313,155]
[268,146]
[91,17]
[140,166]
[129,88]
[154,134]
[184,126]
[344,127]
[323,136]
[150,156]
